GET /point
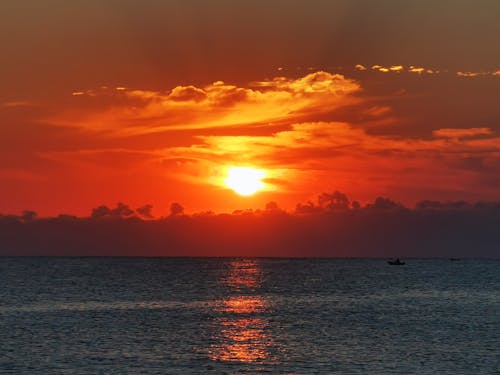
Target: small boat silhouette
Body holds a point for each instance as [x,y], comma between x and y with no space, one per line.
[396,262]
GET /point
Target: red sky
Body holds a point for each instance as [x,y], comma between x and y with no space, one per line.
[151,102]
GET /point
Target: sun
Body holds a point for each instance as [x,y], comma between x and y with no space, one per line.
[244,180]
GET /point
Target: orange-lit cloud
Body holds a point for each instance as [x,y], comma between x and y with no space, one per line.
[396,68]
[478,74]
[462,133]
[213,106]
[313,157]
[470,74]
[423,70]
[401,68]
[333,153]
[414,69]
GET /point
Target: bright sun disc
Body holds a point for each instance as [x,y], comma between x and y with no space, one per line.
[245,181]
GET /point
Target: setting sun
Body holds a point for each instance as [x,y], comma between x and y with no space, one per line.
[245,181]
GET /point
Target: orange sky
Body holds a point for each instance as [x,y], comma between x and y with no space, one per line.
[142,102]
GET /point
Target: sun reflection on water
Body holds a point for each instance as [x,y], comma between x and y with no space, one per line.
[242,334]
[243,305]
[243,275]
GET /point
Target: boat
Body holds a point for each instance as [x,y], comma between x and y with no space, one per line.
[396,262]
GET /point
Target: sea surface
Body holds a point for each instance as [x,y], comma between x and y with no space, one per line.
[248,316]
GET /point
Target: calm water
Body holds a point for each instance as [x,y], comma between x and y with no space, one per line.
[302,316]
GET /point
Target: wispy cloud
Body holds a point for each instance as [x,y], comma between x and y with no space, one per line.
[344,155]
[424,70]
[16,103]
[462,133]
[481,73]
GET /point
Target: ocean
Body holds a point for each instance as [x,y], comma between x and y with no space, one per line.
[248,316]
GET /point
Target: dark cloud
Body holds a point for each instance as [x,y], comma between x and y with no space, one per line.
[29,216]
[335,227]
[176,209]
[272,206]
[145,211]
[385,204]
[328,202]
[101,211]
[120,211]
[334,201]
[456,205]
[307,208]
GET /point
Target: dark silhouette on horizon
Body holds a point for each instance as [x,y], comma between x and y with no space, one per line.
[332,227]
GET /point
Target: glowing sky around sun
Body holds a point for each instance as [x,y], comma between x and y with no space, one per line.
[155,102]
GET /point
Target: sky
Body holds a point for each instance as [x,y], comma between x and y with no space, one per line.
[149,102]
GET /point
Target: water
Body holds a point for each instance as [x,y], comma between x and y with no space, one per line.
[297,316]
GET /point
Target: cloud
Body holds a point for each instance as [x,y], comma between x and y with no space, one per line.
[176,209]
[414,69]
[332,228]
[456,205]
[187,93]
[482,73]
[396,68]
[478,74]
[145,211]
[343,154]
[298,158]
[461,133]
[334,201]
[328,140]
[423,70]
[327,202]
[402,68]
[120,211]
[385,204]
[17,104]
[338,202]
[281,99]
[28,216]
